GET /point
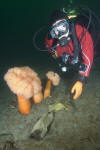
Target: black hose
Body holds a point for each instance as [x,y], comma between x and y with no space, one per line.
[90,18]
[34,39]
[82,7]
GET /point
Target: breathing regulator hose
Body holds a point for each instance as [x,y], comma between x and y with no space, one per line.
[74,13]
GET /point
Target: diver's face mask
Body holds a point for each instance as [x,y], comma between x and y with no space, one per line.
[60,31]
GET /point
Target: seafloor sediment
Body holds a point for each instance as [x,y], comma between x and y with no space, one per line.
[75,129]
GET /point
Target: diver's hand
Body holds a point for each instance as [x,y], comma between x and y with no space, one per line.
[77,88]
[54,56]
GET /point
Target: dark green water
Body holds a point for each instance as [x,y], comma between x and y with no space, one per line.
[79,128]
[21,19]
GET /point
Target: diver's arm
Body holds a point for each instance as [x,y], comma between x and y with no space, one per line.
[87,57]
[84,68]
[51,45]
[48,42]
[87,54]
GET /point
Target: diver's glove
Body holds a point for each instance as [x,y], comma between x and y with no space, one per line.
[77,89]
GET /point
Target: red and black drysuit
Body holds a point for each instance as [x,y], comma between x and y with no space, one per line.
[86,51]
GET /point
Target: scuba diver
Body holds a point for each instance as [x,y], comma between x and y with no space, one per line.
[70,44]
[73,41]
